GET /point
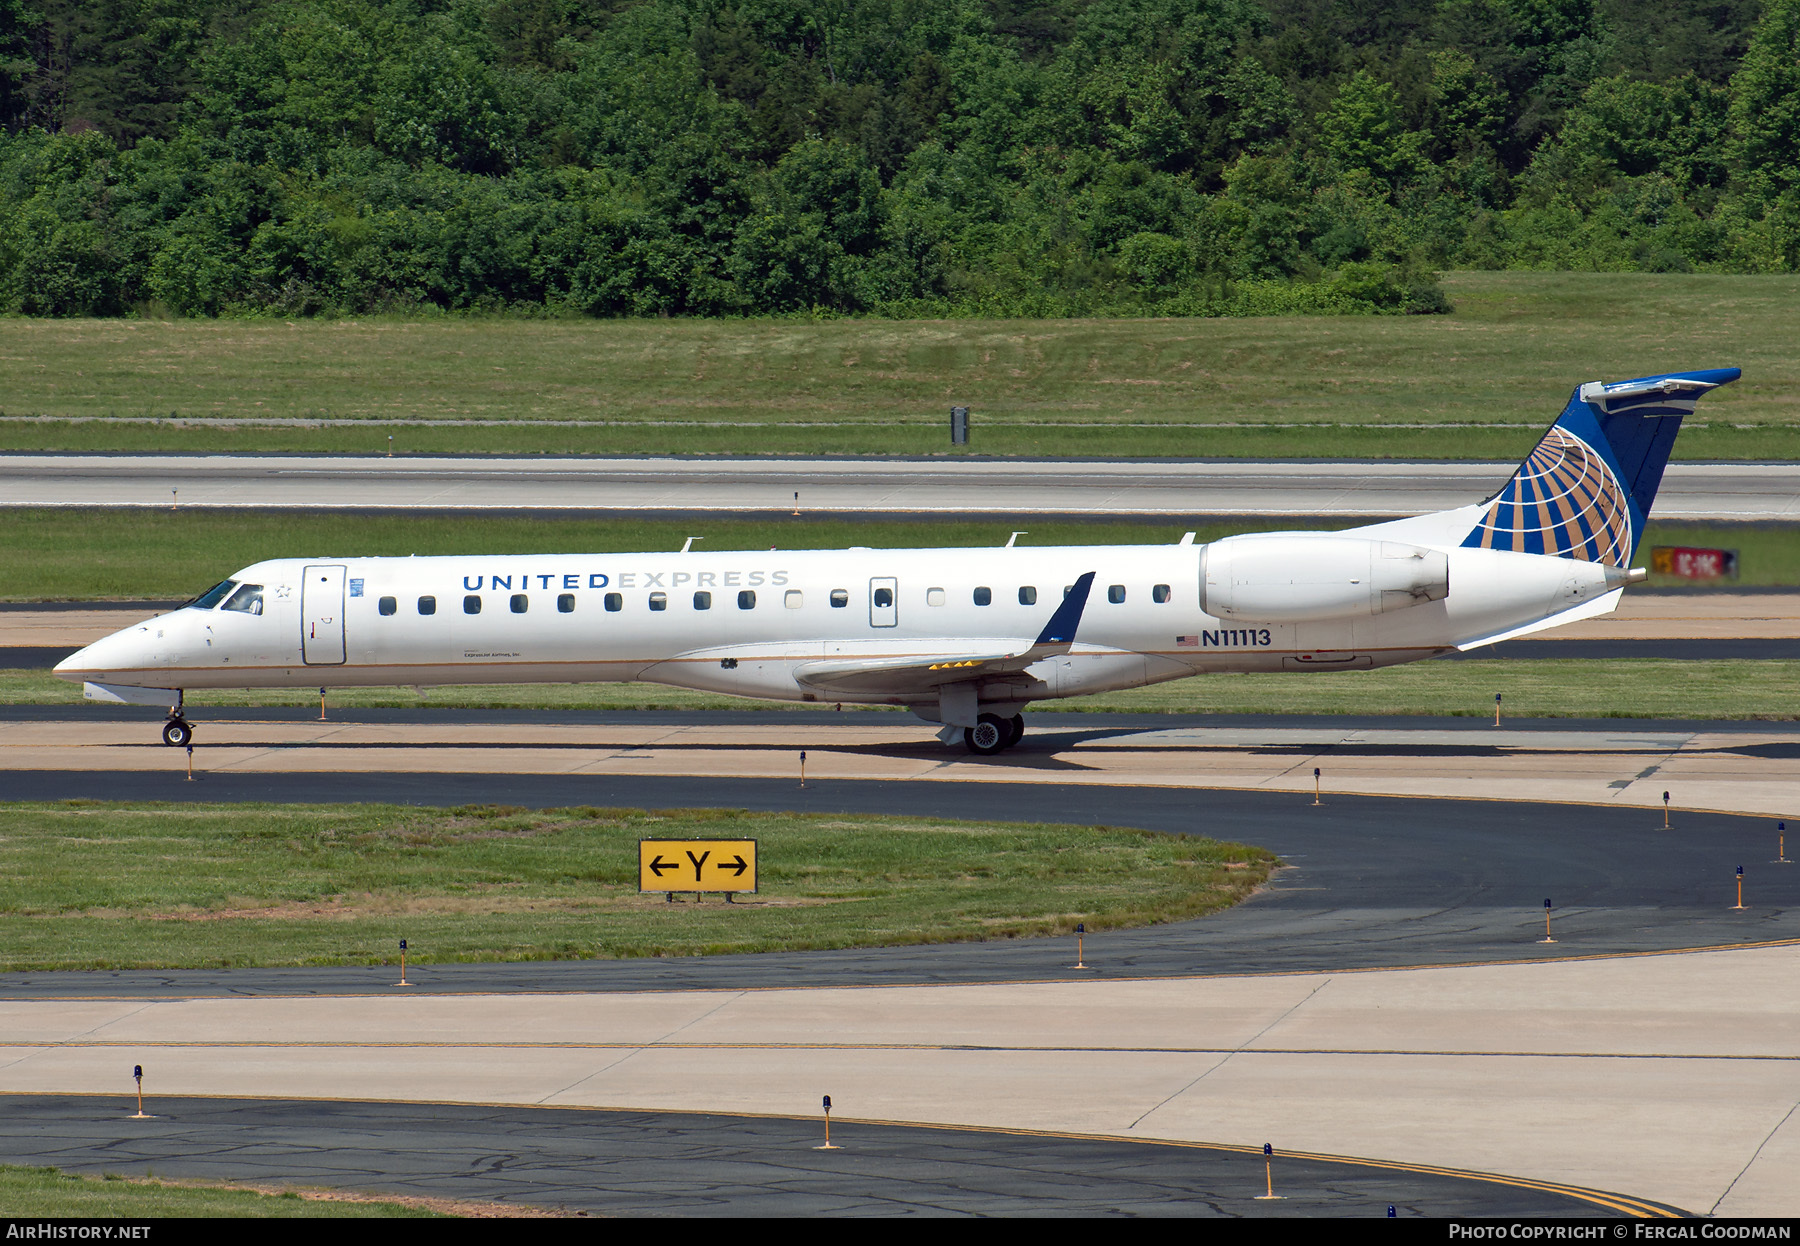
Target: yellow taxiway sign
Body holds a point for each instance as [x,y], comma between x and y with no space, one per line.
[696,865]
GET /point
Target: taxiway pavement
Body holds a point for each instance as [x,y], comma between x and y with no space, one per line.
[1577,1071]
[1385,998]
[699,1164]
[1736,768]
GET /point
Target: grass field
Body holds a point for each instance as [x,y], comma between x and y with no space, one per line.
[1617,688]
[32,1193]
[78,555]
[1496,370]
[88,885]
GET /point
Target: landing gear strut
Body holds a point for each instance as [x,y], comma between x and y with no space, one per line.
[992,734]
[178,732]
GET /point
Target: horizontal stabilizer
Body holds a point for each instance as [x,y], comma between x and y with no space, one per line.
[1606,603]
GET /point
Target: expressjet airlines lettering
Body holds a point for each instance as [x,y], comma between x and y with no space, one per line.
[630,579]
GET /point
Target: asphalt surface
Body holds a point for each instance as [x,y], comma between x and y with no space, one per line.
[1374,882]
[620,1163]
[973,486]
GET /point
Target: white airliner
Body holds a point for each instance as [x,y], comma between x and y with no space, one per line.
[962,637]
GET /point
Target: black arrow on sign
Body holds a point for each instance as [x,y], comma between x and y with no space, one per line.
[736,863]
[658,865]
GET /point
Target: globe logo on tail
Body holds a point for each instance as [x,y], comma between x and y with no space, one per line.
[1564,501]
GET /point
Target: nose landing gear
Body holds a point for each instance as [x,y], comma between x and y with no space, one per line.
[178,732]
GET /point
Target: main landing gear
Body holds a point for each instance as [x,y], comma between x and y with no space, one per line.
[992,734]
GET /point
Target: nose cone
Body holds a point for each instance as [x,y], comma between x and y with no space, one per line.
[75,662]
[125,650]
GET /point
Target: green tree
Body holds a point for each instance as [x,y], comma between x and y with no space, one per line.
[1765,104]
[1363,131]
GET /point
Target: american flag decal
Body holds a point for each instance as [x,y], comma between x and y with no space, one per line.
[1187,642]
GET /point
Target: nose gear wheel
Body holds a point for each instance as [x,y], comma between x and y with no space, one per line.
[177,733]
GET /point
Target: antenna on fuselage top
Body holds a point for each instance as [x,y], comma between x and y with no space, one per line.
[1015,536]
[687,543]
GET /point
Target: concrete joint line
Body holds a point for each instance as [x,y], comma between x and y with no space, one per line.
[613,1064]
[1242,1048]
[1751,1162]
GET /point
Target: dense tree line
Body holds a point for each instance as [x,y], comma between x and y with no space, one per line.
[703,157]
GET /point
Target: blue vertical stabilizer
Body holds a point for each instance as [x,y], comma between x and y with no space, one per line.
[1586,490]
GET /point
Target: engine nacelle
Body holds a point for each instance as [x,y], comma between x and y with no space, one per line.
[1282,577]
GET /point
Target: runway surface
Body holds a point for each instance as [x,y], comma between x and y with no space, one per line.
[621,1163]
[1692,491]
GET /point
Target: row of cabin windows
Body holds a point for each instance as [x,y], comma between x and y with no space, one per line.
[520,603]
[793,599]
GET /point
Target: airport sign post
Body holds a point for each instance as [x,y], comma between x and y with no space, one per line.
[1781,857]
[697,865]
[137,1075]
[1546,938]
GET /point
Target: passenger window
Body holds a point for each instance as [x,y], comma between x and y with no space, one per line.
[471,605]
[1116,594]
[659,601]
[839,598]
[615,602]
[520,603]
[703,601]
[1028,596]
[884,597]
[747,599]
[793,599]
[565,604]
[934,596]
[249,600]
[984,596]
[1159,594]
[427,605]
[387,605]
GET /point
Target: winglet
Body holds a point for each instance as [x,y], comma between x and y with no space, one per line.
[1060,630]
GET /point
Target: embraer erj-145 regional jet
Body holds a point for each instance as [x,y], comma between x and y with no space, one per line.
[962,637]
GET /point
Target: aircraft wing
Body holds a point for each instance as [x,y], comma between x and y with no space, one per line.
[925,673]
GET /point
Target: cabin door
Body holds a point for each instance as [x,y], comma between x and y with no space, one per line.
[884,604]
[322,616]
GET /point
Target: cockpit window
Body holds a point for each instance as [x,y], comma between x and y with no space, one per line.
[247,599]
[214,595]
